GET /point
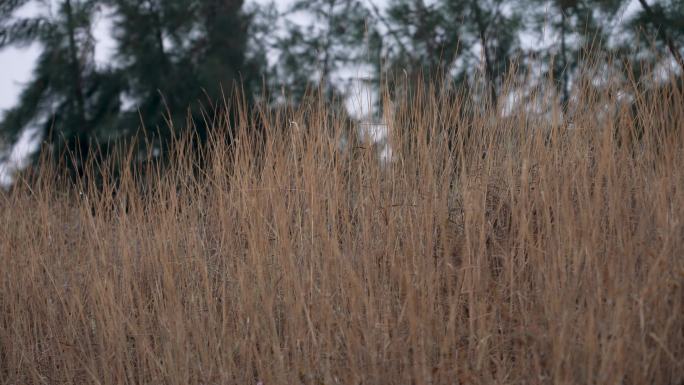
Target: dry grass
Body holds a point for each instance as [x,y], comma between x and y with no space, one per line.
[556,258]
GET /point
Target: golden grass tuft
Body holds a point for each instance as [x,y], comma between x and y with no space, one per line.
[286,258]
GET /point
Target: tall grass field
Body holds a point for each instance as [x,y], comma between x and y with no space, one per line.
[489,246]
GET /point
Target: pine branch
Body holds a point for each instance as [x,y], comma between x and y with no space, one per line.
[662,33]
[397,38]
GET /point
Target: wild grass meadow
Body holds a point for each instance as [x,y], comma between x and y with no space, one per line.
[490,248]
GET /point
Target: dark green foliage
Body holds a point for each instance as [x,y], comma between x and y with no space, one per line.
[331,39]
[451,38]
[68,98]
[660,26]
[180,55]
[580,27]
[19,31]
[175,60]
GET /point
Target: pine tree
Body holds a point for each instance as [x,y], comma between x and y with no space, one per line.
[68,99]
[664,21]
[443,37]
[180,57]
[580,28]
[316,52]
[175,59]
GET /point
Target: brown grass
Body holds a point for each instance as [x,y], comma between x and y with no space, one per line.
[556,258]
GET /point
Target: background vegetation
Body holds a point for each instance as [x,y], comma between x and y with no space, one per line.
[176,61]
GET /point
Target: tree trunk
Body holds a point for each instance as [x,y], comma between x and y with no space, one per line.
[75,67]
[564,57]
[489,70]
[328,44]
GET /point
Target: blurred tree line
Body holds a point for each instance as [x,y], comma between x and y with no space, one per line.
[177,61]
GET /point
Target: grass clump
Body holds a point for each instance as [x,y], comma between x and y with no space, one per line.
[490,248]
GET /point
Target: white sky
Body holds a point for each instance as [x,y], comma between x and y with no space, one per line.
[16,65]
